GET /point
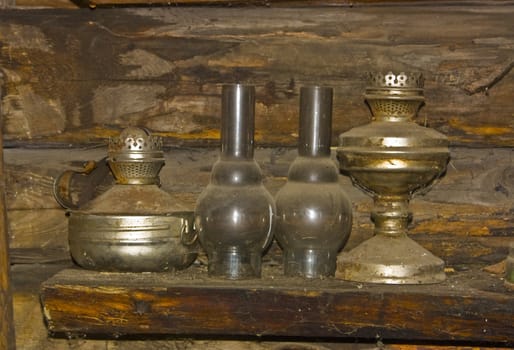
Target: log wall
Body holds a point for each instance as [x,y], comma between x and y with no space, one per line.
[77,76]
[73,77]
[7,339]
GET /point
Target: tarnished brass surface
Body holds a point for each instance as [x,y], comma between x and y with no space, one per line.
[392,158]
[135,225]
[135,157]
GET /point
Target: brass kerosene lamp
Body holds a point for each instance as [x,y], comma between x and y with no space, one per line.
[391,158]
[134,226]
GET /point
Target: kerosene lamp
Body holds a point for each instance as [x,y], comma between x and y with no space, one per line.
[391,158]
[135,225]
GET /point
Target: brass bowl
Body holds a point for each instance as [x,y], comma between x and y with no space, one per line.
[398,159]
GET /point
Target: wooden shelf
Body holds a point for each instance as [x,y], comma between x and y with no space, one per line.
[470,306]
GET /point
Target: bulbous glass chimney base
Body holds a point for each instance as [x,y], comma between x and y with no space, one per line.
[309,263]
[234,263]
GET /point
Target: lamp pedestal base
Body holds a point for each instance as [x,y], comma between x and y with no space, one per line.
[390,260]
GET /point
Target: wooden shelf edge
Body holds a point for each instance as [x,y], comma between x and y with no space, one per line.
[470,306]
[69,4]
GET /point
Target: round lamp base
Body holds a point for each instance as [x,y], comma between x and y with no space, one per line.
[390,260]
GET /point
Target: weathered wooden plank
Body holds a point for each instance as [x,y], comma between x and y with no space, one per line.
[6,3]
[42,228]
[268,3]
[94,3]
[469,306]
[7,338]
[32,334]
[78,76]
[44,3]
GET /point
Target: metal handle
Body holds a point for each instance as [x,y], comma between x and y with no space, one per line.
[187,237]
[73,188]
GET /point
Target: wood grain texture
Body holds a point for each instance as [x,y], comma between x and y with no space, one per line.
[469,306]
[79,76]
[32,333]
[268,3]
[44,4]
[6,4]
[7,339]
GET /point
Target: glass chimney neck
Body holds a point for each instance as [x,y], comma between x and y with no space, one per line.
[315,121]
[237,121]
